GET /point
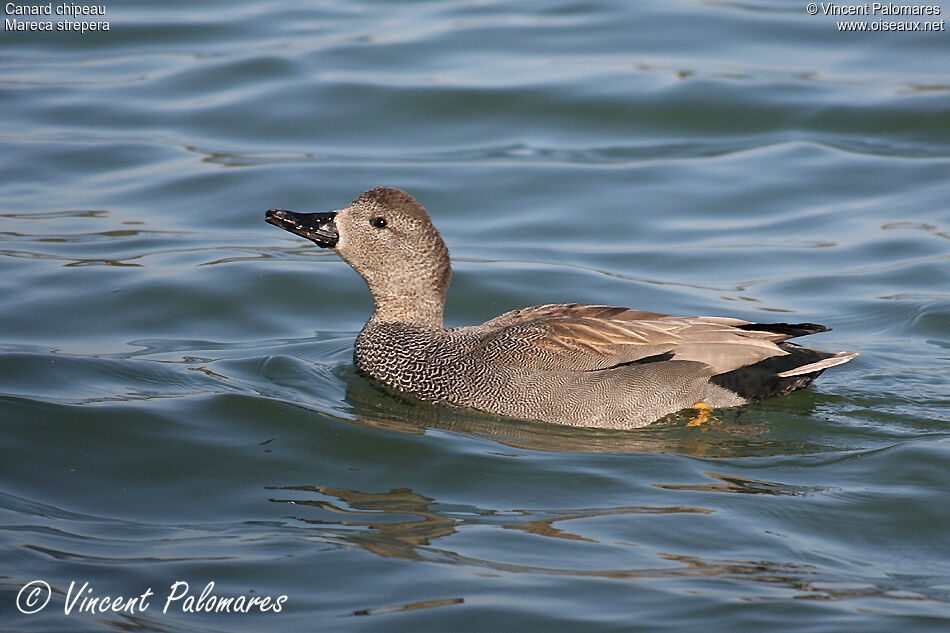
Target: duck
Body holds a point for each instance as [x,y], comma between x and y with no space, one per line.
[573,364]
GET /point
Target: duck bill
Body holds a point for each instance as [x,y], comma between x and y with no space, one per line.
[320,228]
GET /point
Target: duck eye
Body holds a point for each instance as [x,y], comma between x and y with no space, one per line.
[379,223]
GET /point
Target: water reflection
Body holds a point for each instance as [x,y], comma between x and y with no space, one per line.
[742,485]
[406,525]
[401,520]
[410,606]
[545,527]
[739,432]
[397,523]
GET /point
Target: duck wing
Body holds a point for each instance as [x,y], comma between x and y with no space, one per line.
[580,337]
[569,310]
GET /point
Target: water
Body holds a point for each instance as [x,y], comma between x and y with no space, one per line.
[177,398]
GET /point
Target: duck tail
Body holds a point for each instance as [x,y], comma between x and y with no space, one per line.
[779,375]
[818,366]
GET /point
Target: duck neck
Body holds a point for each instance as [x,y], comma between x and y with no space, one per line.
[412,293]
[417,309]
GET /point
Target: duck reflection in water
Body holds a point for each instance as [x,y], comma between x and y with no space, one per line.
[742,432]
[403,524]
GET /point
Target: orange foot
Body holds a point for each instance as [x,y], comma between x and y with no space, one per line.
[703,414]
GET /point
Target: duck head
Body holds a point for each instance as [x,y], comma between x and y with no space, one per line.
[388,238]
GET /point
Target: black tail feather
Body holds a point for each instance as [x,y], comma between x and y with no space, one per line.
[760,381]
[789,329]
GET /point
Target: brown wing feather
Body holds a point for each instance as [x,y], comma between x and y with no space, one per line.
[583,337]
[570,310]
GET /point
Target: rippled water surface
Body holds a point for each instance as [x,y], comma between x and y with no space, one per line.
[177,397]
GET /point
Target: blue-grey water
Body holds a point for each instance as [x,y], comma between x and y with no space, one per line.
[177,398]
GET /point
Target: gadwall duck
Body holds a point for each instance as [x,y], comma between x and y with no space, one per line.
[574,364]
